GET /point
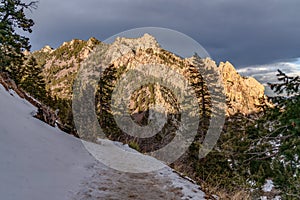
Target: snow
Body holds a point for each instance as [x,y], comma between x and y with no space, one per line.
[37,160]
[189,190]
[266,198]
[41,162]
[268,186]
[117,156]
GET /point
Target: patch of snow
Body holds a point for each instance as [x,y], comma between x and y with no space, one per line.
[296,157]
[252,182]
[266,198]
[268,186]
[122,159]
[122,146]
[189,189]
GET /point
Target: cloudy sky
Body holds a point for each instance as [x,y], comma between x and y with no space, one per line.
[253,35]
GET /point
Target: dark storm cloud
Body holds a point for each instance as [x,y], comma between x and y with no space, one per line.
[244,32]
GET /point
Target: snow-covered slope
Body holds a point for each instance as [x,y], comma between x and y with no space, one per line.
[39,162]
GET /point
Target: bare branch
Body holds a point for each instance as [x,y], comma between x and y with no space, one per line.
[30,6]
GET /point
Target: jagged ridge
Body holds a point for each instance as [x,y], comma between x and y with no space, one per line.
[60,68]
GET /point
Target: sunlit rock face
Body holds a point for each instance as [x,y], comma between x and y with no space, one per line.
[244,94]
[60,67]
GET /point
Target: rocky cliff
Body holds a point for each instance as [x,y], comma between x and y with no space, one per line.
[60,68]
[244,94]
[60,65]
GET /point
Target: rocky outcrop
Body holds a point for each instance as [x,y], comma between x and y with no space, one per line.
[46,49]
[60,65]
[244,94]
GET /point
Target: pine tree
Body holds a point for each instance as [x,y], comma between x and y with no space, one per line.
[12,18]
[31,79]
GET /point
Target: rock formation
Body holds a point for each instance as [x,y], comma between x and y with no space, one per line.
[60,68]
[244,94]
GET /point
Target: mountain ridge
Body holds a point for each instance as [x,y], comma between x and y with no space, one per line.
[60,65]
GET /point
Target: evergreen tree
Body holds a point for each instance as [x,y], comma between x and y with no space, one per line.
[12,18]
[31,79]
[286,164]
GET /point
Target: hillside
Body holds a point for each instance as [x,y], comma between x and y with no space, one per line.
[41,162]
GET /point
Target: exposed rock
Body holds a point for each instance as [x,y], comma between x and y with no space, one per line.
[26,52]
[62,64]
[244,94]
[144,42]
[47,49]
[46,115]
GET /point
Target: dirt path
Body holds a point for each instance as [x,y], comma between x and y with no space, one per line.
[109,184]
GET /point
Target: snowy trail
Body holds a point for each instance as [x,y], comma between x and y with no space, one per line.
[111,184]
[39,162]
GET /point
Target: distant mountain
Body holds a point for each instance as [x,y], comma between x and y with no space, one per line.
[60,67]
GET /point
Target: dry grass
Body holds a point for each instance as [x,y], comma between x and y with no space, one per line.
[225,195]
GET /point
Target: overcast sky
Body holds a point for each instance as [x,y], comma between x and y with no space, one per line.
[247,33]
